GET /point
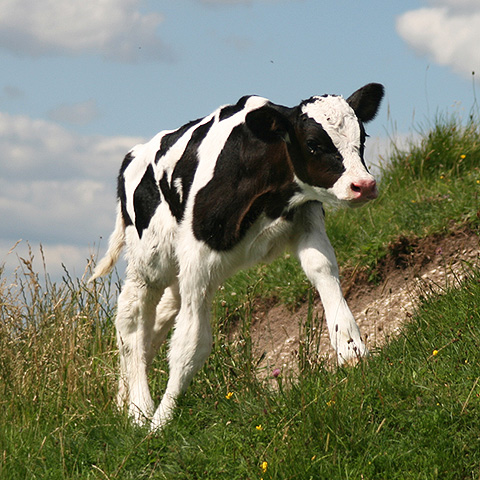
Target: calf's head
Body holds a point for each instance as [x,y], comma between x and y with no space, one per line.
[325,139]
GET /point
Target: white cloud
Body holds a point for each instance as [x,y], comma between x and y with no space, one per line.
[57,188]
[379,150]
[75,114]
[52,211]
[40,150]
[448,32]
[74,258]
[114,29]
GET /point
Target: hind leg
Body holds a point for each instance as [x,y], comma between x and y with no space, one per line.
[191,341]
[190,346]
[166,313]
[134,323]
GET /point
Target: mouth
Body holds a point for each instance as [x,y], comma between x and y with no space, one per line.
[359,202]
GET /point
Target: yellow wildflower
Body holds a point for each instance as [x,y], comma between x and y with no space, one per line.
[435,353]
[229,395]
[463,157]
[259,428]
[264,466]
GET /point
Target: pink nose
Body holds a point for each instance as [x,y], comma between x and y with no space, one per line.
[364,189]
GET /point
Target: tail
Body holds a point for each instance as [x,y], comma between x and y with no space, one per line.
[115,247]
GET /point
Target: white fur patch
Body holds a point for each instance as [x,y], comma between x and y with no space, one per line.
[338,119]
[169,258]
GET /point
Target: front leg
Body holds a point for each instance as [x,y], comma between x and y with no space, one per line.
[317,258]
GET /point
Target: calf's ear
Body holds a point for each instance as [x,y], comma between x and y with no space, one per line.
[268,124]
[366,101]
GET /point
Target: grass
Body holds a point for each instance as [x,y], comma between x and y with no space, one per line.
[411,411]
[424,190]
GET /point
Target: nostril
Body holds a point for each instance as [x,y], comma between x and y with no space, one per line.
[365,189]
[356,188]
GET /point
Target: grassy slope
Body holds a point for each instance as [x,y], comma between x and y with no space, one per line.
[423,191]
[405,413]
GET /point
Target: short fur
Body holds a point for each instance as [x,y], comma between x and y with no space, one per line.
[219,194]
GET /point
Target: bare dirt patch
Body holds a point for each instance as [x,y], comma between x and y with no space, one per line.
[412,269]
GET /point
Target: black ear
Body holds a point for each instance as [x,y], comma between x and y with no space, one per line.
[366,101]
[268,124]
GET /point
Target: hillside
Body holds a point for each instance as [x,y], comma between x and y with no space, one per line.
[413,269]
[410,271]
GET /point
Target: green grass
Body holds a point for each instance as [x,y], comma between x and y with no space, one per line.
[405,413]
[424,190]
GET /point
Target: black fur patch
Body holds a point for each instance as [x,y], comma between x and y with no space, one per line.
[146,199]
[366,100]
[229,110]
[363,138]
[251,177]
[315,99]
[121,189]
[184,173]
[169,139]
[315,158]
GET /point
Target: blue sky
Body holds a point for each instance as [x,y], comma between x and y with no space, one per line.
[84,80]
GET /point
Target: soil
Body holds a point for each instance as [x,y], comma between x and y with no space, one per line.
[412,269]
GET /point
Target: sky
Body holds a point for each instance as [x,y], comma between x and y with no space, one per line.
[83,81]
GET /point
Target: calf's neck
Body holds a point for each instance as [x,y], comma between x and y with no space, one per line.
[221,193]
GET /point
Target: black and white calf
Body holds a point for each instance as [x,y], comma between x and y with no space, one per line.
[219,194]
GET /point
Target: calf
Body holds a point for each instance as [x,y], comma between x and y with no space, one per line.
[219,194]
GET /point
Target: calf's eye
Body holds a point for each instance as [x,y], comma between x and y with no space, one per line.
[313,147]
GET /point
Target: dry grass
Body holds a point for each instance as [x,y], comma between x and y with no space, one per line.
[56,342]
[406,412]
